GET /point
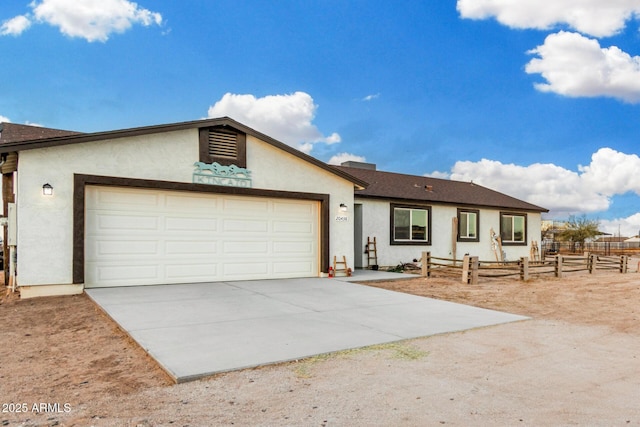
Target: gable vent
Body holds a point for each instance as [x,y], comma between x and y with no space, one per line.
[223,144]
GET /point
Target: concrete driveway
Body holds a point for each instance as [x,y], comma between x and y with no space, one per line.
[195,330]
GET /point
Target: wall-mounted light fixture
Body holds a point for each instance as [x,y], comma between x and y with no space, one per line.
[47,190]
[343,207]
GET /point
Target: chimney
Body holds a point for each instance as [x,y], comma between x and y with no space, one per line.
[359,165]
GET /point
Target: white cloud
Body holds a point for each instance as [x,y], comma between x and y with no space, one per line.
[572,65]
[371,97]
[345,157]
[93,20]
[627,227]
[287,118]
[15,26]
[599,18]
[4,119]
[334,138]
[576,66]
[438,174]
[547,185]
[560,190]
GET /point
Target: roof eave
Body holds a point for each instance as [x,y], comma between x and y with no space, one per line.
[533,208]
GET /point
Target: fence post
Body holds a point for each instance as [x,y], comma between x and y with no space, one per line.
[426,264]
[465,269]
[524,268]
[624,262]
[558,266]
[475,267]
[591,263]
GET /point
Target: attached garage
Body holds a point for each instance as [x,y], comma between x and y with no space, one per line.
[145,236]
[192,202]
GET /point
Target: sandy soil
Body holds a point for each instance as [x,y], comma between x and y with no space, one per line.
[577,362]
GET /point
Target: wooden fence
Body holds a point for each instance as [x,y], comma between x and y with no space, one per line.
[602,248]
[470,268]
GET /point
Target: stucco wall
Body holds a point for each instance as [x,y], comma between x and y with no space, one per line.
[376,222]
[45,224]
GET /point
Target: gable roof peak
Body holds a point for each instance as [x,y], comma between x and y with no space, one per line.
[54,137]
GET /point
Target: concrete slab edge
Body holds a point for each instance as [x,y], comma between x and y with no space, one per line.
[173,377]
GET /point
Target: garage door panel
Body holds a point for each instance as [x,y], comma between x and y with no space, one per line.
[126,247]
[245,226]
[118,221]
[126,199]
[118,248]
[245,270]
[292,209]
[195,203]
[300,267]
[191,272]
[182,237]
[119,274]
[293,227]
[293,248]
[189,223]
[189,248]
[246,247]
[242,206]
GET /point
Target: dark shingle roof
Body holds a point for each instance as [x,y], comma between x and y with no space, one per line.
[11,132]
[396,186]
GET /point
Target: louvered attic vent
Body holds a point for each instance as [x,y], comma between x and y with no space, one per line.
[222,144]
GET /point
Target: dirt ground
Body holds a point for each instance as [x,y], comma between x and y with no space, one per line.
[576,362]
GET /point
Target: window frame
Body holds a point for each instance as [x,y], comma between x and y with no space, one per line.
[409,242]
[460,237]
[502,231]
[241,147]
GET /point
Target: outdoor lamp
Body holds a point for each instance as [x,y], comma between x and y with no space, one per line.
[47,190]
[343,207]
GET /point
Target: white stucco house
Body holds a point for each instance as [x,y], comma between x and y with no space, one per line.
[214,200]
[199,201]
[409,214]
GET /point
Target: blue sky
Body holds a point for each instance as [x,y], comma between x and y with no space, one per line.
[542,103]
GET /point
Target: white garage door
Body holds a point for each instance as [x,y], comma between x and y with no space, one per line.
[145,237]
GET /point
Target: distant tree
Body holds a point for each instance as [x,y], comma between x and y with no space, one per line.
[579,229]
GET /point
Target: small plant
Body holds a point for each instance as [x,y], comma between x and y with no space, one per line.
[401,350]
[404,266]
[397,269]
[304,368]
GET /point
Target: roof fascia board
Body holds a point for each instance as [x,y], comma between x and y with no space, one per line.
[463,205]
[98,136]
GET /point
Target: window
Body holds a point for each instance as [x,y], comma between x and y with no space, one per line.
[223,145]
[513,228]
[410,225]
[468,225]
